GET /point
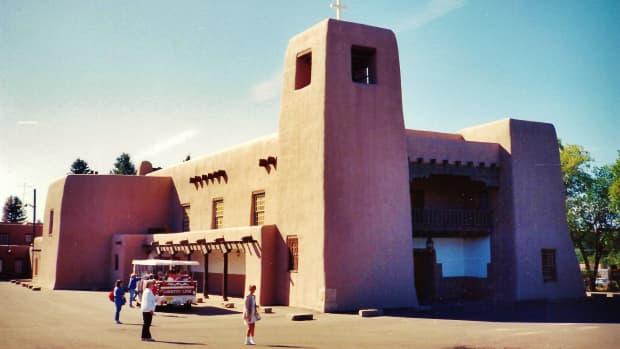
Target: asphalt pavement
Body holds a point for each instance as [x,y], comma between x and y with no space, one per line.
[85,319]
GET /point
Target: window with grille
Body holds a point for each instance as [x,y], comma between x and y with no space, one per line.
[185,220]
[4,239]
[218,213]
[548,265]
[258,208]
[293,252]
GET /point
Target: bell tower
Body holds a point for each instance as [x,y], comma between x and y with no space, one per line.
[343,172]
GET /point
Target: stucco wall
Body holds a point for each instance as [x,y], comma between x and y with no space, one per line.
[368,246]
[301,200]
[530,211]
[431,145]
[88,210]
[255,261]
[46,246]
[244,175]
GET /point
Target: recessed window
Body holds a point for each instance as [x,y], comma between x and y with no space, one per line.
[116,262]
[4,239]
[51,225]
[258,208]
[303,70]
[19,266]
[293,252]
[185,209]
[28,238]
[364,65]
[548,265]
[218,214]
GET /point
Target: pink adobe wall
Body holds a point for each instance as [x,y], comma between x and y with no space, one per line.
[18,231]
[368,248]
[301,197]
[431,145]
[127,247]
[19,249]
[89,209]
[264,261]
[532,209]
[245,176]
[46,246]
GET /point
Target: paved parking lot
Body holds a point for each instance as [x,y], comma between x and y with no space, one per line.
[80,319]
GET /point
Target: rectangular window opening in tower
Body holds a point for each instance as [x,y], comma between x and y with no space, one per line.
[364,65]
[303,69]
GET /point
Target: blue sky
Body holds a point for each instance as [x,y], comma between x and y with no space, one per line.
[161,79]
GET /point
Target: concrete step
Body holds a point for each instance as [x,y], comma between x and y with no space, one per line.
[301,317]
[370,312]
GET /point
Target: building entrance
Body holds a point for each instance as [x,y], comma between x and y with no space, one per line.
[424,268]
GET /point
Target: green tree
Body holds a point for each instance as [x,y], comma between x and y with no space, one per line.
[594,226]
[614,189]
[123,165]
[80,166]
[576,163]
[14,211]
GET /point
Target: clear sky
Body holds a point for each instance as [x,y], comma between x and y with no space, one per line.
[164,79]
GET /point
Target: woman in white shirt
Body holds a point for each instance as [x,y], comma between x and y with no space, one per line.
[148,307]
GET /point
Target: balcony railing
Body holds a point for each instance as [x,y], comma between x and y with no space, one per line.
[449,222]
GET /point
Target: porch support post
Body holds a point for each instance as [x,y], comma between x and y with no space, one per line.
[205,277]
[225,281]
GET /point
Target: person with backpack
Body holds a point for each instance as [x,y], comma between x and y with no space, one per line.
[119,299]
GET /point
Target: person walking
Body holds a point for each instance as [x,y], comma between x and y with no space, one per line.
[250,316]
[132,286]
[119,299]
[148,308]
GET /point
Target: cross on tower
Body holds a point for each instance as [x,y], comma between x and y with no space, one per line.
[339,7]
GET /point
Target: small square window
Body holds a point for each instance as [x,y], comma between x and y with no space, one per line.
[4,239]
[363,65]
[28,238]
[303,70]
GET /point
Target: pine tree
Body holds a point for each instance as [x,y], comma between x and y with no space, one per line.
[123,165]
[80,166]
[14,211]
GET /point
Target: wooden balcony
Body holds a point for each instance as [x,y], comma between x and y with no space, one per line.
[451,222]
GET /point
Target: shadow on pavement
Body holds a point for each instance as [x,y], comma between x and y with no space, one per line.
[587,310]
[212,311]
[179,343]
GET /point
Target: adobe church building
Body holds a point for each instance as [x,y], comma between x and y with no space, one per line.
[342,209]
